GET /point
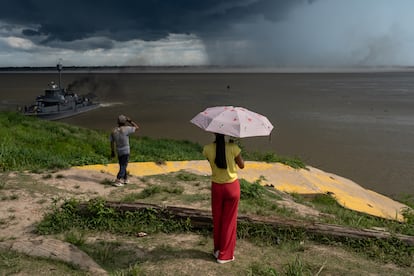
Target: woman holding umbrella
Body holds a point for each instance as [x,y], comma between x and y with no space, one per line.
[224,158]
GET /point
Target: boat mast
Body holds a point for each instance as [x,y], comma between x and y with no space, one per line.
[59,67]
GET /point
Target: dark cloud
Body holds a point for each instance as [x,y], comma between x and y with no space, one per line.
[282,33]
[30,32]
[131,19]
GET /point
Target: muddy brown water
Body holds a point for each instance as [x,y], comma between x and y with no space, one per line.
[357,125]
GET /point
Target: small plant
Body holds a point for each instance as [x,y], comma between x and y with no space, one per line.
[132,270]
[178,190]
[186,176]
[408,215]
[106,253]
[250,190]
[75,237]
[150,191]
[296,268]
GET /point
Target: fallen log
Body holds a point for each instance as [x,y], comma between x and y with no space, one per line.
[203,219]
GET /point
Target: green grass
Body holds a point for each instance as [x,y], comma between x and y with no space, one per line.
[98,217]
[342,216]
[28,143]
[32,144]
[259,200]
[75,237]
[297,267]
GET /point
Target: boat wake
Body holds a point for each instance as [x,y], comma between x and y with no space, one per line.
[110,104]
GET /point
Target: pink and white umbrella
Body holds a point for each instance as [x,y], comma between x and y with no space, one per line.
[233,121]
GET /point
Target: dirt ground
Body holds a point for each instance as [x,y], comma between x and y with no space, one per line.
[23,206]
[26,197]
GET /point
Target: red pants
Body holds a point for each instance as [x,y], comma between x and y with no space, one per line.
[224,206]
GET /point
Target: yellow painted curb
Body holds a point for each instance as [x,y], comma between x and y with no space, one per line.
[284,178]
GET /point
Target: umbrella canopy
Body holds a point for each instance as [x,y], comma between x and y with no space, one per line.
[233,121]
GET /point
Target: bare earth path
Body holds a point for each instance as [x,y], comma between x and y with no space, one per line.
[25,205]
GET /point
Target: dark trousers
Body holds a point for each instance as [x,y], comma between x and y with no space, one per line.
[123,164]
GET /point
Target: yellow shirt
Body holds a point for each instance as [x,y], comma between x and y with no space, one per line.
[222,175]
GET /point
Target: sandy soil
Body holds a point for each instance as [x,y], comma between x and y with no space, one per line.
[27,196]
[22,207]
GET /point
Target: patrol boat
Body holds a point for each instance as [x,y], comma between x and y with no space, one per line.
[58,103]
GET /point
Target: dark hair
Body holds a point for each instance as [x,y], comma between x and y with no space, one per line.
[220,160]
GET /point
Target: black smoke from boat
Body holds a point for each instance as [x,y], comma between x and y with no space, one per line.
[108,89]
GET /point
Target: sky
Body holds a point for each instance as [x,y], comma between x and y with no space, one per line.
[255,33]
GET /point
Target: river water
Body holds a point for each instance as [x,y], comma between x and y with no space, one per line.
[357,125]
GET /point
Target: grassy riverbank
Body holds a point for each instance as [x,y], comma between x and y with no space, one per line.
[31,144]
[33,153]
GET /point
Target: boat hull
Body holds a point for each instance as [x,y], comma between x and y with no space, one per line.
[57,115]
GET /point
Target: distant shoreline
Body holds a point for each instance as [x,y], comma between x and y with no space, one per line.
[205,69]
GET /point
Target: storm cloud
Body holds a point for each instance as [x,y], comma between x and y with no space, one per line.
[211,32]
[131,19]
